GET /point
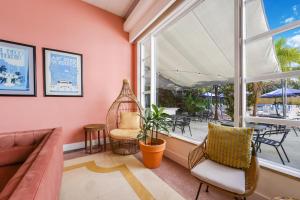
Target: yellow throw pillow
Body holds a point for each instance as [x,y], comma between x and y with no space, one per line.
[129,120]
[229,146]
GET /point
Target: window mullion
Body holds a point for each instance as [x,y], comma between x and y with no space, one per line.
[153,70]
[239,81]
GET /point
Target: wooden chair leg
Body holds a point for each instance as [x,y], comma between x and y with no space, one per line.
[206,189]
[295,131]
[198,192]
[91,142]
[99,143]
[240,198]
[85,141]
[104,138]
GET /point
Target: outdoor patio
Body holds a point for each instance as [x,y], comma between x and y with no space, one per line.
[291,144]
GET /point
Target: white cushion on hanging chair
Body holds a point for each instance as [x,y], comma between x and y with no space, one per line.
[124,133]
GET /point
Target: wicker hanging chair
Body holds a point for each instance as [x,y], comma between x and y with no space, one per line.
[126,102]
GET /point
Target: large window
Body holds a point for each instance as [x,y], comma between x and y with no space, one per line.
[273,92]
[215,62]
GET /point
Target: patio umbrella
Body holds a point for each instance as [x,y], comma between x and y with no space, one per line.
[279,93]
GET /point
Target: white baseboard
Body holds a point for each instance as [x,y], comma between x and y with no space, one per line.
[80,145]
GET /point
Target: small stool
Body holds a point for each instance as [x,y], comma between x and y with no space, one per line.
[88,132]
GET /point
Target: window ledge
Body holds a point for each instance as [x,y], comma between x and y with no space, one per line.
[265,164]
[278,168]
[182,138]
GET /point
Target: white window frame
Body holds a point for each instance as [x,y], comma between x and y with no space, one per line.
[240,83]
[273,76]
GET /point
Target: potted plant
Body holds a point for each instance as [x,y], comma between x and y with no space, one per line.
[152,147]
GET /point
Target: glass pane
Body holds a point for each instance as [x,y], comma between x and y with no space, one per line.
[264,99]
[285,137]
[274,99]
[145,73]
[265,15]
[195,69]
[276,54]
[293,101]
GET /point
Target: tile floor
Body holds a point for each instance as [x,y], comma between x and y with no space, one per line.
[177,176]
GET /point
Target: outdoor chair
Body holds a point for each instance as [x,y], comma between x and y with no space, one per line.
[271,142]
[280,127]
[238,182]
[182,122]
[207,115]
[295,130]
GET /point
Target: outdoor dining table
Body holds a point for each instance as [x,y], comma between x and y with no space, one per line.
[258,128]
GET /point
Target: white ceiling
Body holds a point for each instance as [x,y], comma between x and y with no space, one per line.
[117,7]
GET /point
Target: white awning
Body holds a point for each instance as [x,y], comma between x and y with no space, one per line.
[199,47]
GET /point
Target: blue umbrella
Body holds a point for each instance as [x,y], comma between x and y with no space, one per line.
[278,93]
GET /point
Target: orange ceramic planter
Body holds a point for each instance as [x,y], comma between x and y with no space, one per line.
[152,154]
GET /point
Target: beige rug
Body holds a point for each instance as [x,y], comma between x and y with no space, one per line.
[107,176]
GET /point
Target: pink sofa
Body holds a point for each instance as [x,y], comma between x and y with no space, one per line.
[31,164]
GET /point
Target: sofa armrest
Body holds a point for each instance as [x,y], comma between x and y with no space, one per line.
[40,176]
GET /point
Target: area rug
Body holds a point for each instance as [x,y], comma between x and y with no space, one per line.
[107,176]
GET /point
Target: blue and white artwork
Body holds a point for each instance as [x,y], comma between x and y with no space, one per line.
[63,73]
[16,69]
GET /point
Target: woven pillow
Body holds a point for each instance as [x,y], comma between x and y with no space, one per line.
[229,146]
[129,120]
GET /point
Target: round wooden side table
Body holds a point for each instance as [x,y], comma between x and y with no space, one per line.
[88,133]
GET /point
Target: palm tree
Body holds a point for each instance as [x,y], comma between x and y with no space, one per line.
[286,56]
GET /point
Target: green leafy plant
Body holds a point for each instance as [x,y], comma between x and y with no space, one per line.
[228,91]
[194,104]
[155,120]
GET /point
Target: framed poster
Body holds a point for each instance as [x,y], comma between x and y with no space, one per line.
[62,73]
[17,69]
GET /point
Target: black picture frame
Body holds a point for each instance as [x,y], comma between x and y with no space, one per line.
[46,71]
[31,73]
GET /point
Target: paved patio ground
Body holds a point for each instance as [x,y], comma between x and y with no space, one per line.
[291,144]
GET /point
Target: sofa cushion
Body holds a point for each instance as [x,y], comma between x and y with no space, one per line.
[224,177]
[17,154]
[15,147]
[129,120]
[124,133]
[22,138]
[6,172]
[230,146]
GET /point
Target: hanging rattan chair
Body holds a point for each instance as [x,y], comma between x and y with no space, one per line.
[123,141]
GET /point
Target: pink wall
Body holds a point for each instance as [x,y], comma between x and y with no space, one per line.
[69,25]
